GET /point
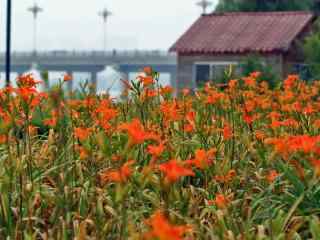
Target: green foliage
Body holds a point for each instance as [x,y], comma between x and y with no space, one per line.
[229,72]
[312,53]
[45,77]
[315,227]
[254,63]
[264,5]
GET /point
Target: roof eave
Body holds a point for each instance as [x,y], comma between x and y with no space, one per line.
[244,52]
[173,49]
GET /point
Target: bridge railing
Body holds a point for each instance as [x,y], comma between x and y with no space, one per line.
[112,53]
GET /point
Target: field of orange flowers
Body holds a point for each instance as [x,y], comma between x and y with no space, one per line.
[240,161]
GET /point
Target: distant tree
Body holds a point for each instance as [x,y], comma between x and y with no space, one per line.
[316,6]
[265,5]
[312,51]
[229,6]
[255,63]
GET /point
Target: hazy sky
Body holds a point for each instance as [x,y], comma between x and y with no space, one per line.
[74,24]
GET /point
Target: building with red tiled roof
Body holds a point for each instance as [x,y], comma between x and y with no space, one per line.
[218,40]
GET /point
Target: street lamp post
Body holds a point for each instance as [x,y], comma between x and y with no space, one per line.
[8,42]
[105,14]
[35,10]
[204,4]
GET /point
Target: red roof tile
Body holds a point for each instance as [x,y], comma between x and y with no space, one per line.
[243,32]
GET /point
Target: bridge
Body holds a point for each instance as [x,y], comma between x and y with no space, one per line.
[93,62]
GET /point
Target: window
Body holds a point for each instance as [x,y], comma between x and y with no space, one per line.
[202,73]
[207,71]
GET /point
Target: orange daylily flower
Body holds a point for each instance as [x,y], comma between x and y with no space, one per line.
[121,176]
[221,201]
[255,74]
[303,143]
[148,93]
[316,123]
[227,132]
[83,153]
[260,135]
[275,124]
[3,138]
[67,78]
[249,119]
[105,112]
[290,81]
[232,84]
[174,170]
[274,115]
[191,116]
[166,90]
[279,145]
[202,158]
[27,93]
[82,133]
[162,229]
[226,178]
[185,92]
[213,97]
[147,70]
[249,81]
[292,144]
[272,175]
[309,109]
[188,127]
[27,81]
[156,151]
[290,123]
[146,81]
[171,111]
[250,106]
[137,133]
[51,122]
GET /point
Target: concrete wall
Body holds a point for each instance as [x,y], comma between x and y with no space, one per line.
[186,65]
